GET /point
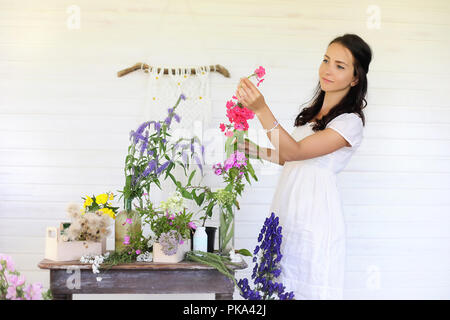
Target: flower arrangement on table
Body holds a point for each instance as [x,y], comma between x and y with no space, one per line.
[150,155]
[92,222]
[171,223]
[13,286]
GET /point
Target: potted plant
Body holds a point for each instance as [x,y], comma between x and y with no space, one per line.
[171,224]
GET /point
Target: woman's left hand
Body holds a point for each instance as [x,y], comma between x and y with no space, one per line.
[249,96]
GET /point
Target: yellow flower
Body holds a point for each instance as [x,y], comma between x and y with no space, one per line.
[88,201]
[111,196]
[102,198]
[83,211]
[109,212]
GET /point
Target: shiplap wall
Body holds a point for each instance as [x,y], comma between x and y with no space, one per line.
[65,118]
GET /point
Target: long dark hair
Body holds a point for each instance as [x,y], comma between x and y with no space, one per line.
[355,100]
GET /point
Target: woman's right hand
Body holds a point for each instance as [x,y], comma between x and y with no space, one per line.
[250,149]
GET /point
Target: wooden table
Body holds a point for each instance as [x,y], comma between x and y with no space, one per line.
[73,277]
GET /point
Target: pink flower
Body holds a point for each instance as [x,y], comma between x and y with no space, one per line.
[239,126]
[11,293]
[259,82]
[181,241]
[129,221]
[222,127]
[126,240]
[33,292]
[172,217]
[138,251]
[9,262]
[15,280]
[192,225]
[229,133]
[260,72]
[230,103]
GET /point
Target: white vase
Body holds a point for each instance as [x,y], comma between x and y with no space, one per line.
[160,256]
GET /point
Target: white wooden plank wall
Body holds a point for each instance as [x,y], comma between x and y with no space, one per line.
[65,118]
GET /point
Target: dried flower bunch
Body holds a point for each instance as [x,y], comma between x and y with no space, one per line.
[88,226]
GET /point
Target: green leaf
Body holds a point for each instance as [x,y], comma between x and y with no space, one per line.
[251,170]
[229,236]
[209,209]
[201,198]
[190,178]
[170,166]
[186,194]
[244,252]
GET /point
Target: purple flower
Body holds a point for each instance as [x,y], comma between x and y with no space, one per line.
[163,167]
[270,256]
[182,96]
[157,126]
[199,164]
[192,225]
[177,117]
[169,242]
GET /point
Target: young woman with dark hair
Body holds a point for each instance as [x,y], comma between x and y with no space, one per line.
[307,200]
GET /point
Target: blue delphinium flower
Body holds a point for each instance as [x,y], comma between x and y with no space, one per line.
[267,270]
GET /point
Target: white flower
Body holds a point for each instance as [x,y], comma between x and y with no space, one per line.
[99,279]
[152,239]
[175,203]
[235,257]
[145,257]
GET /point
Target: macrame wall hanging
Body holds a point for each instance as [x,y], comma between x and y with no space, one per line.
[164,90]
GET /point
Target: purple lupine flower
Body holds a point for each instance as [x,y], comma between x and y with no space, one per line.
[177,117]
[182,96]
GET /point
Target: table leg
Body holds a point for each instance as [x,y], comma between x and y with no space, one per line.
[224,296]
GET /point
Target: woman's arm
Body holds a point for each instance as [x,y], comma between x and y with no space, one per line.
[270,155]
[285,145]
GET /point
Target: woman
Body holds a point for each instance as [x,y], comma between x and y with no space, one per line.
[307,200]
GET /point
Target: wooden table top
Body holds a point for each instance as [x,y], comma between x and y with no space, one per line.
[183,265]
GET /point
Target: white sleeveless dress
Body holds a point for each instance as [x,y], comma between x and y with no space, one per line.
[308,204]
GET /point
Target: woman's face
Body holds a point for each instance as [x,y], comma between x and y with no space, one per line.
[337,66]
